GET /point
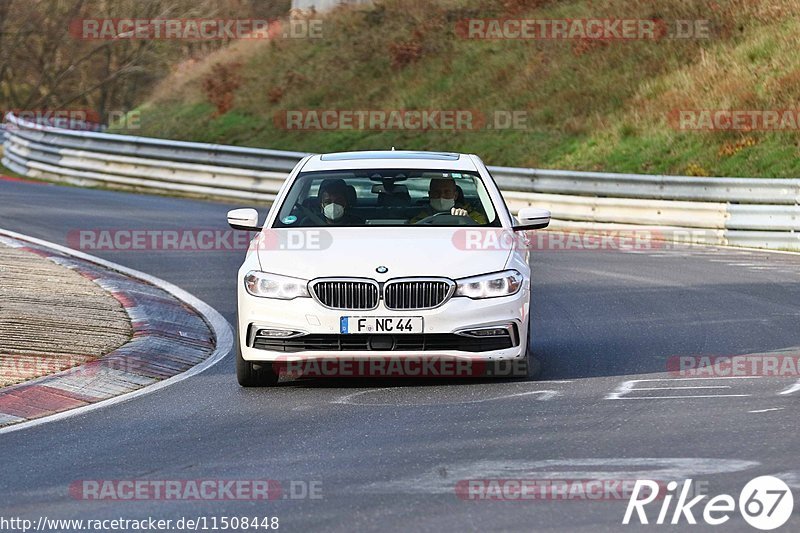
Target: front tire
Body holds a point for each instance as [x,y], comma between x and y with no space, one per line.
[525,368]
[532,365]
[248,376]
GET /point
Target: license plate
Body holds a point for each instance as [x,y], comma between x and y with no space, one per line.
[380,324]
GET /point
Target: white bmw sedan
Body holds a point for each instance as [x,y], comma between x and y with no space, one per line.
[369,261]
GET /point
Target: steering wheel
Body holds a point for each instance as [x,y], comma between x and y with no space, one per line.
[446,219]
[310,214]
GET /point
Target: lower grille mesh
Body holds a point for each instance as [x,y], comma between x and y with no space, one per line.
[400,343]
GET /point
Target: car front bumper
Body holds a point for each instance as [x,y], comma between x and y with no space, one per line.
[440,326]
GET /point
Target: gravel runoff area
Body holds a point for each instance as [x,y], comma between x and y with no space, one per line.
[52,318]
[107,332]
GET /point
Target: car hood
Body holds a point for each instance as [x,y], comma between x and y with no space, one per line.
[358,252]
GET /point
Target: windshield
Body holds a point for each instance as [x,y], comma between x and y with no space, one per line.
[387,198]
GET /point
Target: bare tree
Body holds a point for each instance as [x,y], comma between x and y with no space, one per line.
[43,65]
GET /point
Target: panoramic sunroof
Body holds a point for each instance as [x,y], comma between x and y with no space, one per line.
[387,154]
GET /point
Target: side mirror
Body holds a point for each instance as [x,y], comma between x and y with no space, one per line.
[244,219]
[532,218]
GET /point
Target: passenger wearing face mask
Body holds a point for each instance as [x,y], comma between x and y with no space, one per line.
[443,193]
[334,204]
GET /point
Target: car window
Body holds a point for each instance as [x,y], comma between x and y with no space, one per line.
[383,197]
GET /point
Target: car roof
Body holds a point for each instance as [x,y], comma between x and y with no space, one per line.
[389,159]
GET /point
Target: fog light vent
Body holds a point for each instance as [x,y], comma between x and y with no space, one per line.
[487,332]
[276,333]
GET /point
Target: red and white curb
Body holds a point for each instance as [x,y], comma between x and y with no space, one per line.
[175,337]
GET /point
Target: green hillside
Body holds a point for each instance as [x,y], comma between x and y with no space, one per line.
[589,104]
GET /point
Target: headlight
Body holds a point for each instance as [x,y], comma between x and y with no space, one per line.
[493,285]
[268,285]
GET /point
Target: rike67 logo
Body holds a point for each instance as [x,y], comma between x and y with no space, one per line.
[766,503]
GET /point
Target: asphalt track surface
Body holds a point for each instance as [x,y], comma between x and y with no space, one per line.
[389,453]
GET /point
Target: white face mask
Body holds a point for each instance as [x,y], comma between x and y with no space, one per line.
[442,204]
[333,211]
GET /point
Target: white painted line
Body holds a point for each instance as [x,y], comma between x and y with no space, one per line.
[685,388]
[345,400]
[546,395]
[628,387]
[696,379]
[683,397]
[348,399]
[223,332]
[766,410]
[621,391]
[791,390]
[431,481]
[790,478]
[759,250]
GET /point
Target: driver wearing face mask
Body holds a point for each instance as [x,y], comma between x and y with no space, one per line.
[334,204]
[442,193]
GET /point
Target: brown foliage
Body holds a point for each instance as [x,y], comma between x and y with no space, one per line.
[220,86]
[517,7]
[730,149]
[405,53]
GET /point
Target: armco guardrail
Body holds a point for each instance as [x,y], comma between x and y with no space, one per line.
[738,211]
[89,158]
